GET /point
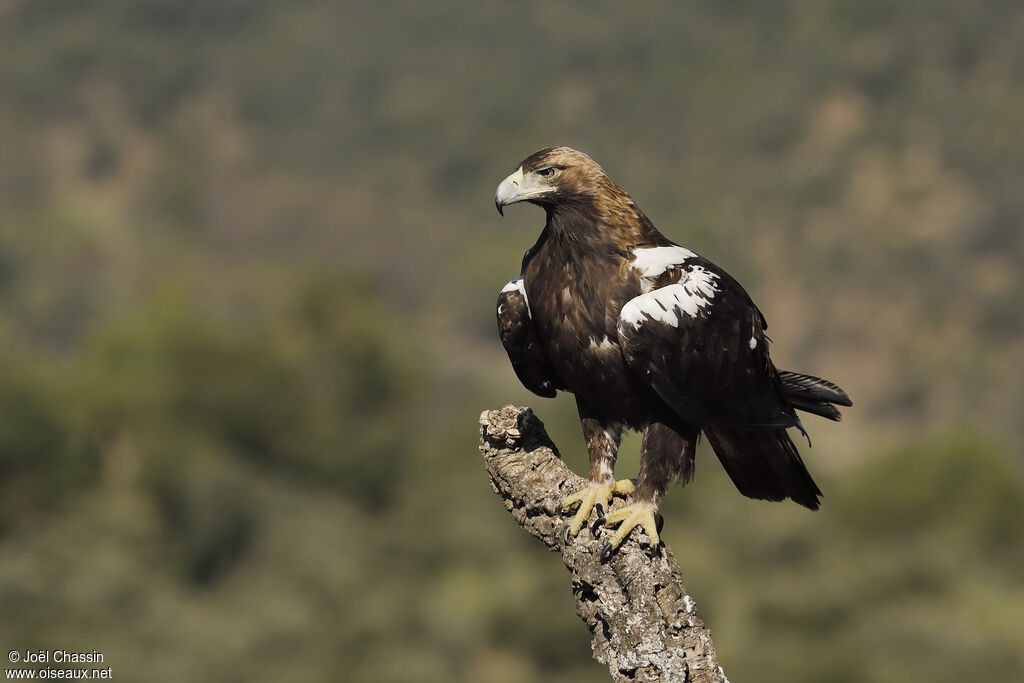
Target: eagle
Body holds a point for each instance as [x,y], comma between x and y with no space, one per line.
[650,336]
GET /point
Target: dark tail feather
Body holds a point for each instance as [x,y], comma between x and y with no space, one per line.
[764,464]
[813,394]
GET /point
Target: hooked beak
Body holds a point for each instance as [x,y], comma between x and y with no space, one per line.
[518,188]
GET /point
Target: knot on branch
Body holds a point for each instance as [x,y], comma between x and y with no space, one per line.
[642,621]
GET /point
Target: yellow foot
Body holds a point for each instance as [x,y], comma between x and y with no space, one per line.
[588,498]
[628,518]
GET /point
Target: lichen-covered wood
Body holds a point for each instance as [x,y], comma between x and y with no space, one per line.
[643,622]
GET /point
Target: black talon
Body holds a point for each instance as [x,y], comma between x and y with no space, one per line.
[600,519]
[605,552]
[565,533]
[659,522]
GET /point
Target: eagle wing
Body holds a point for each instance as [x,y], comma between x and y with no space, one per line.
[519,337]
[697,339]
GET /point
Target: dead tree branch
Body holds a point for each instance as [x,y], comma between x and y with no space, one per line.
[643,623]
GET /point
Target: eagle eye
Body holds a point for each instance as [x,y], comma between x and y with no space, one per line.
[546,172]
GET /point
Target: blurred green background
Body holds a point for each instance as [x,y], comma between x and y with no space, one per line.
[248,264]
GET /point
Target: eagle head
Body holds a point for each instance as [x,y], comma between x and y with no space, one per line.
[553,176]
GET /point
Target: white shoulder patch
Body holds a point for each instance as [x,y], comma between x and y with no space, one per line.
[690,295]
[653,261]
[518,286]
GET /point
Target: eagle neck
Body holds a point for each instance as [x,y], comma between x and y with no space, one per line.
[614,229]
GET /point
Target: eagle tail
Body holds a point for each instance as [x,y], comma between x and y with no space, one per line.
[813,394]
[763,464]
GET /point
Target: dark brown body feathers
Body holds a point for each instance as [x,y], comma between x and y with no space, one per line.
[649,335]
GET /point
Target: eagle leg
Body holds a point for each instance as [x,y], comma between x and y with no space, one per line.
[666,453]
[629,517]
[591,496]
[602,437]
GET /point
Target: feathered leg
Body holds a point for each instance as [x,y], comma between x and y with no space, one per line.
[602,437]
[666,453]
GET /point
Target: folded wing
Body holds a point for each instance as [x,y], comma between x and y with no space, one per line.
[699,342]
[515,327]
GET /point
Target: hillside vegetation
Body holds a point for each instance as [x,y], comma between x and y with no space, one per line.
[248,264]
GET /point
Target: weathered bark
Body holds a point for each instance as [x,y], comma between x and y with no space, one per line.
[643,623]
